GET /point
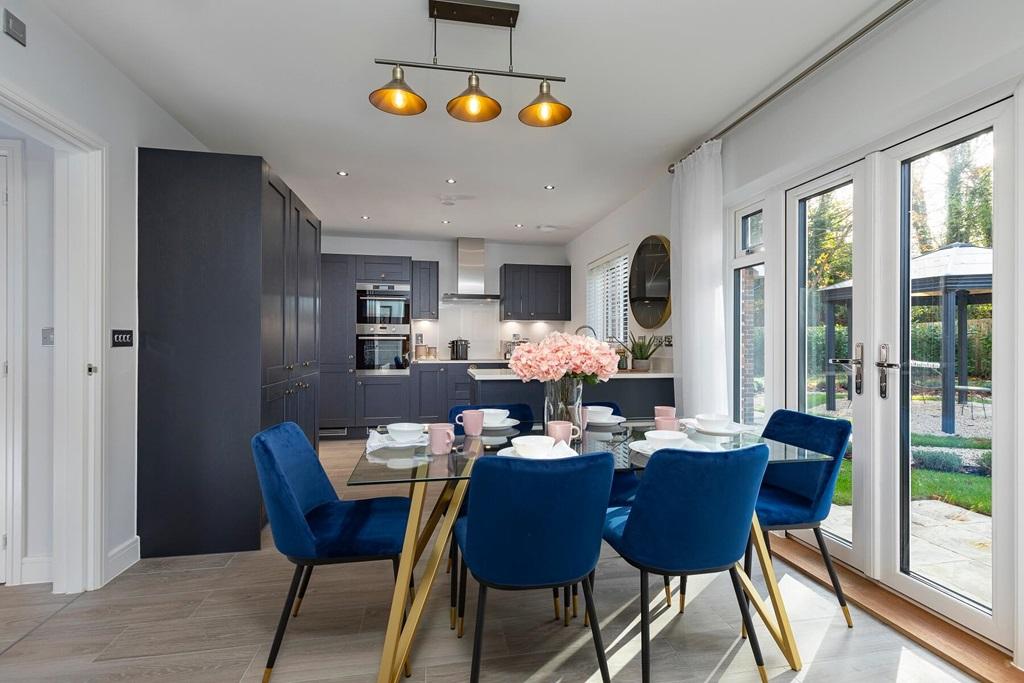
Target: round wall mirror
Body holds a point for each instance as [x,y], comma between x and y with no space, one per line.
[650,291]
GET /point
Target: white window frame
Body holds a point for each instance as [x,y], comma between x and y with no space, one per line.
[606,260]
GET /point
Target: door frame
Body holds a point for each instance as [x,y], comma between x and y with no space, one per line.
[997,627]
[80,178]
[12,256]
[860,552]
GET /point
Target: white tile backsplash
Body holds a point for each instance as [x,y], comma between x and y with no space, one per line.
[479,323]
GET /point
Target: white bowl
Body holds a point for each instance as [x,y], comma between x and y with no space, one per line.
[714,421]
[533,446]
[494,416]
[663,438]
[405,432]
[600,412]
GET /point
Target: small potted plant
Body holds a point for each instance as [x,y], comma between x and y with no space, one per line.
[641,349]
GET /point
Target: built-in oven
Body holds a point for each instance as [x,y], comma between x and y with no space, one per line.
[379,303]
[382,349]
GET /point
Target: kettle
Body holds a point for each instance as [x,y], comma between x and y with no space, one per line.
[459,349]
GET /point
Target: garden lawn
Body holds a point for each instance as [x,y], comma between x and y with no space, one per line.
[969,491]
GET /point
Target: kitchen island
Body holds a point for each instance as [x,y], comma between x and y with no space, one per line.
[636,392]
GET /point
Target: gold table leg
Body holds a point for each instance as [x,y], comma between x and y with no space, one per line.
[776,619]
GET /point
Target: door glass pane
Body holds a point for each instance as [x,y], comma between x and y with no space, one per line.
[749,371]
[947,394]
[826,227]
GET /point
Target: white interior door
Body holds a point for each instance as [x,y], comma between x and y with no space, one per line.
[945,424]
[829,288]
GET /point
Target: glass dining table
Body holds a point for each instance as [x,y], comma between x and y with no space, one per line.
[387,462]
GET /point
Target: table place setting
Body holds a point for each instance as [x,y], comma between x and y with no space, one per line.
[602,416]
[475,422]
[537,447]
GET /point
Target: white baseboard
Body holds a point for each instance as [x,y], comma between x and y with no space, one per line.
[36,569]
[120,558]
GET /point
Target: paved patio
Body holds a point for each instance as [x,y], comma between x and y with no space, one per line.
[948,545]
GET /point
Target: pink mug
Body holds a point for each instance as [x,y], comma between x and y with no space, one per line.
[472,421]
[442,436]
[664,411]
[563,430]
[669,424]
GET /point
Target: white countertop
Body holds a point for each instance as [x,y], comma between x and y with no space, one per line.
[471,360]
[502,374]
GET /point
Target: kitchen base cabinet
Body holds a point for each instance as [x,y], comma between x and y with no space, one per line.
[381,399]
[228,311]
[337,398]
[429,392]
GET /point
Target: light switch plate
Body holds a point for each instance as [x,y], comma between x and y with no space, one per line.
[47,336]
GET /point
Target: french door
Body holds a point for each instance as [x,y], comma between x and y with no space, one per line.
[901,318]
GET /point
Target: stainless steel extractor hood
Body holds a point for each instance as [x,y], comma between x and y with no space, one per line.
[472,261]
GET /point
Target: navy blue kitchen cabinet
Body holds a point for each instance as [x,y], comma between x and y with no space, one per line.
[381,399]
[429,401]
[424,290]
[531,292]
[383,269]
[337,341]
[460,384]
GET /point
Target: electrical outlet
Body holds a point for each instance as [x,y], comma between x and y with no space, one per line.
[668,340]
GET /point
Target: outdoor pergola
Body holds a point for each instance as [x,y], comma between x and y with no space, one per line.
[951,278]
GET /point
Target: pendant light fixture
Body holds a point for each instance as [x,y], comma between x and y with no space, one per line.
[472,105]
[545,110]
[396,97]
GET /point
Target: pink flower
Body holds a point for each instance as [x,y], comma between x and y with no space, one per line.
[559,354]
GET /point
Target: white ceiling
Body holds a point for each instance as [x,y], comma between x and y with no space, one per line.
[289,81]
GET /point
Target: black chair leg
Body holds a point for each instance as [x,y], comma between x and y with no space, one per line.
[302,590]
[586,615]
[595,629]
[668,589]
[462,596]
[645,628]
[282,623]
[832,575]
[748,625]
[682,593]
[565,606]
[478,636]
[558,612]
[748,558]
[453,581]
[575,600]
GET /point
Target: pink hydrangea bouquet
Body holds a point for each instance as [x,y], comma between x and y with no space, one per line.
[562,355]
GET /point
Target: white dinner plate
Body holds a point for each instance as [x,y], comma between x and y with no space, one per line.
[605,421]
[731,430]
[504,424]
[511,452]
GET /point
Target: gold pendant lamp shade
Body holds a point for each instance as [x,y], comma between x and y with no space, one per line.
[396,97]
[545,110]
[473,104]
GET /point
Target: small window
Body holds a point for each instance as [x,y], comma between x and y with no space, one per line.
[608,296]
[752,232]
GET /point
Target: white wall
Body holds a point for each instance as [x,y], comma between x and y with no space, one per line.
[38,467]
[627,226]
[478,322]
[64,73]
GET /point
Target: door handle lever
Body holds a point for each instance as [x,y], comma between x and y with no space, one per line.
[854,365]
[883,364]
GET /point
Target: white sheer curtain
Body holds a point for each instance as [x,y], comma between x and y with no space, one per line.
[698,313]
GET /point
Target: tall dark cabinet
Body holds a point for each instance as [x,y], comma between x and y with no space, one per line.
[229,342]
[338,341]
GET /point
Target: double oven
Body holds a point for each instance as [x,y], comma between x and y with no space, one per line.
[383,328]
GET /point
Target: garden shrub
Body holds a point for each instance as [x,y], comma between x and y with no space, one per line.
[940,461]
[985,463]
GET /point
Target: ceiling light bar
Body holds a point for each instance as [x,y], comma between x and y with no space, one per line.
[469,70]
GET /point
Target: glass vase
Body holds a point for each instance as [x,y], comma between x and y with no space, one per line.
[563,399]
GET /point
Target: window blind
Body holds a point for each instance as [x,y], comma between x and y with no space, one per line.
[608,297]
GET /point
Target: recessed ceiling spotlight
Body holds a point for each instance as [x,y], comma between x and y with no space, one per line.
[366,218]
[549,187]
[519,225]
[343,173]
[446,221]
[450,181]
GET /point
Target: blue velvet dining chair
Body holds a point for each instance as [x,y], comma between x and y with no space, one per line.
[535,524]
[516,411]
[714,495]
[798,495]
[311,526]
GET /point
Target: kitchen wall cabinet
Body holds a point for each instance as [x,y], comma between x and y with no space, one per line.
[429,392]
[383,269]
[229,296]
[337,341]
[530,292]
[424,290]
[381,399]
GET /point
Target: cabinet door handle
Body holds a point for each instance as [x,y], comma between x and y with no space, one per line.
[441,370]
[350,356]
[360,383]
[290,367]
[350,370]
